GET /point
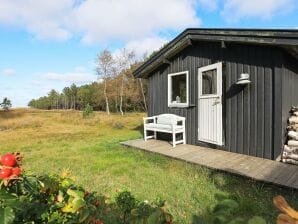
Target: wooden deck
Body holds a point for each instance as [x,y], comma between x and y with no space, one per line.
[256,168]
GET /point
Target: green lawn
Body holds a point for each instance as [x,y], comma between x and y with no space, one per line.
[52,141]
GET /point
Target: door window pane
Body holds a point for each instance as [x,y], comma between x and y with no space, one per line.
[179,89]
[209,82]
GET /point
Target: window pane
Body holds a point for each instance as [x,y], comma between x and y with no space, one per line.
[209,82]
[179,88]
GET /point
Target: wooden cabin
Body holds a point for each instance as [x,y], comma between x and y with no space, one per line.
[235,87]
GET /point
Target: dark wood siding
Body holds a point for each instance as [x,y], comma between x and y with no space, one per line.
[289,89]
[247,110]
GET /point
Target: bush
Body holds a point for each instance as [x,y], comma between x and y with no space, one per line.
[117,125]
[134,211]
[88,111]
[57,199]
[226,211]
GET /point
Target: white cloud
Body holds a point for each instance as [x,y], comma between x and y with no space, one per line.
[97,21]
[234,10]
[44,19]
[78,76]
[8,72]
[144,46]
[131,19]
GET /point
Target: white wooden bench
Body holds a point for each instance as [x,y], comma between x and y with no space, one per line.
[168,123]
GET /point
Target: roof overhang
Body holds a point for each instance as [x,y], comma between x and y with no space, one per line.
[287,39]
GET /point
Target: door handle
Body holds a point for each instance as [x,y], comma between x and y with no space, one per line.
[217,101]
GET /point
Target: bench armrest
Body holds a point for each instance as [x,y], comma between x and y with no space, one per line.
[146,119]
[182,120]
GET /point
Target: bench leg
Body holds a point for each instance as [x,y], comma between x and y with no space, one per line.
[184,140]
[155,135]
[145,135]
[174,139]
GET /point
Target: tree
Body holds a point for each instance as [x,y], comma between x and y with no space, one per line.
[74,93]
[124,61]
[143,94]
[104,69]
[6,104]
[54,99]
[67,94]
[115,91]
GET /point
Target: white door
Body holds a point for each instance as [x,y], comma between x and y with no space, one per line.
[210,104]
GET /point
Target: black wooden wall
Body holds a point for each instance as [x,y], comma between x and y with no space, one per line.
[252,118]
[289,89]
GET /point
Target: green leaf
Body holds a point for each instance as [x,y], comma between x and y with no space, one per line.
[66,182]
[78,203]
[220,219]
[155,217]
[6,215]
[31,185]
[68,208]
[75,193]
[6,196]
[256,220]
[84,213]
[14,203]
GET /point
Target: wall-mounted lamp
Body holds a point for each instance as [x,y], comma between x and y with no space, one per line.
[243,79]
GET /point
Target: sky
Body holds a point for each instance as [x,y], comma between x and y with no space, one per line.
[48,45]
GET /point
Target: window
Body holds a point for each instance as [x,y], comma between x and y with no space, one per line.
[208,78]
[178,89]
[209,82]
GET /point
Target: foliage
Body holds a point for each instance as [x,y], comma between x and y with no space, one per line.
[88,111]
[136,212]
[288,214]
[57,199]
[226,211]
[6,104]
[116,86]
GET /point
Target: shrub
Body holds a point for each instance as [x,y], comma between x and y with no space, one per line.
[88,111]
[135,211]
[226,211]
[57,199]
[117,125]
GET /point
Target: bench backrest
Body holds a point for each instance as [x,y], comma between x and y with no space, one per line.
[168,119]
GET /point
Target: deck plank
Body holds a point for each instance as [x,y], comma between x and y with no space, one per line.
[252,167]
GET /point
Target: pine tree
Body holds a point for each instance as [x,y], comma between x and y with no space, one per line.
[6,104]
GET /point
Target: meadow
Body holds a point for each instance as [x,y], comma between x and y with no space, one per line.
[52,141]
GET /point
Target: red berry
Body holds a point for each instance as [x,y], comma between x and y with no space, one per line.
[16,171]
[8,160]
[5,173]
[97,203]
[86,193]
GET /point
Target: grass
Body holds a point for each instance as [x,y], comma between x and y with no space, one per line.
[53,140]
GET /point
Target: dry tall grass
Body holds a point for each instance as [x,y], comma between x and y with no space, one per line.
[53,140]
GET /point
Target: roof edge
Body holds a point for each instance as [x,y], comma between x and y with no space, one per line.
[283,37]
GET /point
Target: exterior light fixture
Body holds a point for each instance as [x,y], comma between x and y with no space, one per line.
[243,79]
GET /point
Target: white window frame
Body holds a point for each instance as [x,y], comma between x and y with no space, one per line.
[170,104]
[216,66]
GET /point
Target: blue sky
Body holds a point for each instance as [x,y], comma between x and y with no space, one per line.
[51,44]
